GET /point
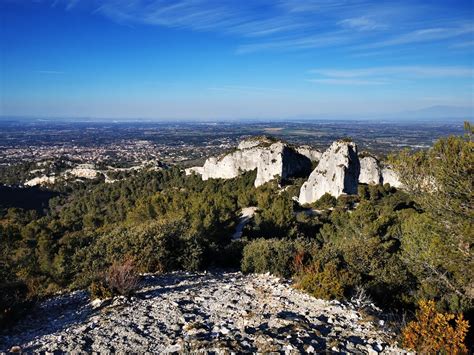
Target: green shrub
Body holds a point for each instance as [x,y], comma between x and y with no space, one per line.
[275,256]
[98,289]
[324,282]
[325,201]
[326,275]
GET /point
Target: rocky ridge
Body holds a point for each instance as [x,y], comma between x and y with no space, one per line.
[220,312]
[271,159]
[370,172]
[337,173]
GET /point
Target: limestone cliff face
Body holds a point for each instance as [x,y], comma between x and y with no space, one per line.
[309,152]
[370,172]
[270,160]
[337,173]
[43,180]
[389,176]
[280,160]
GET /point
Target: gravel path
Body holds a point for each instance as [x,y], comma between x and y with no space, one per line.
[218,311]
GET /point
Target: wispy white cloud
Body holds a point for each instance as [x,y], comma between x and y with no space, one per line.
[463,44]
[337,81]
[387,75]
[406,71]
[362,24]
[306,42]
[424,35]
[269,25]
[246,89]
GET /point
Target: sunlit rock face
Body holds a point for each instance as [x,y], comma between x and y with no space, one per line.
[389,176]
[370,172]
[43,180]
[272,160]
[86,171]
[309,152]
[337,173]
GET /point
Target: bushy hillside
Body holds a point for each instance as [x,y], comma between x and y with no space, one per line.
[399,247]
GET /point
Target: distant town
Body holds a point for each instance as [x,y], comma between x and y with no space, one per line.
[136,143]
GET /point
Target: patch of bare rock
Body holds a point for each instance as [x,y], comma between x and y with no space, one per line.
[218,312]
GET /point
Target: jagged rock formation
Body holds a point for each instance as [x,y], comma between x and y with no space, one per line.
[201,313]
[337,173]
[43,180]
[370,172]
[309,152]
[373,173]
[253,142]
[389,176]
[86,171]
[271,160]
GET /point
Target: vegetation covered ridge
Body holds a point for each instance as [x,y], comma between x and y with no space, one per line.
[401,247]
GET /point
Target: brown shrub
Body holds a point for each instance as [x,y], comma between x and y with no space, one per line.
[434,332]
[122,277]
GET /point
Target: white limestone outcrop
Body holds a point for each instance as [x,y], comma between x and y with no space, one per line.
[389,176]
[271,160]
[251,142]
[86,171]
[337,173]
[370,172]
[43,180]
[309,152]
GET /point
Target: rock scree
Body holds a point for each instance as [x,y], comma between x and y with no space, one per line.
[183,312]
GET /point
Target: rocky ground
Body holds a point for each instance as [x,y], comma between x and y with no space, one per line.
[219,311]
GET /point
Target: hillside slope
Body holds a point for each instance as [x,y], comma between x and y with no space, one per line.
[207,311]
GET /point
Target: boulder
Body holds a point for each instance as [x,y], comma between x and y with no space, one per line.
[337,173]
[370,172]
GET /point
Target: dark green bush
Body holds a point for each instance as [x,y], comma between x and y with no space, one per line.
[276,256]
[13,301]
[327,281]
[325,201]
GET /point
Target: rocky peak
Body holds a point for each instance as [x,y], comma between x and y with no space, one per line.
[370,172]
[255,142]
[309,152]
[337,173]
[271,159]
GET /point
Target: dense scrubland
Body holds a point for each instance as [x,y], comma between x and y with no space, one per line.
[409,251]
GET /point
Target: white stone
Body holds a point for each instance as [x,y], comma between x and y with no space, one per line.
[309,152]
[389,176]
[370,171]
[271,161]
[337,173]
[43,180]
[86,171]
[249,143]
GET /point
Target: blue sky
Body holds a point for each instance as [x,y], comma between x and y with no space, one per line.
[197,59]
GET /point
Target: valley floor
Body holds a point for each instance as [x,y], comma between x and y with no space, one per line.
[219,311]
